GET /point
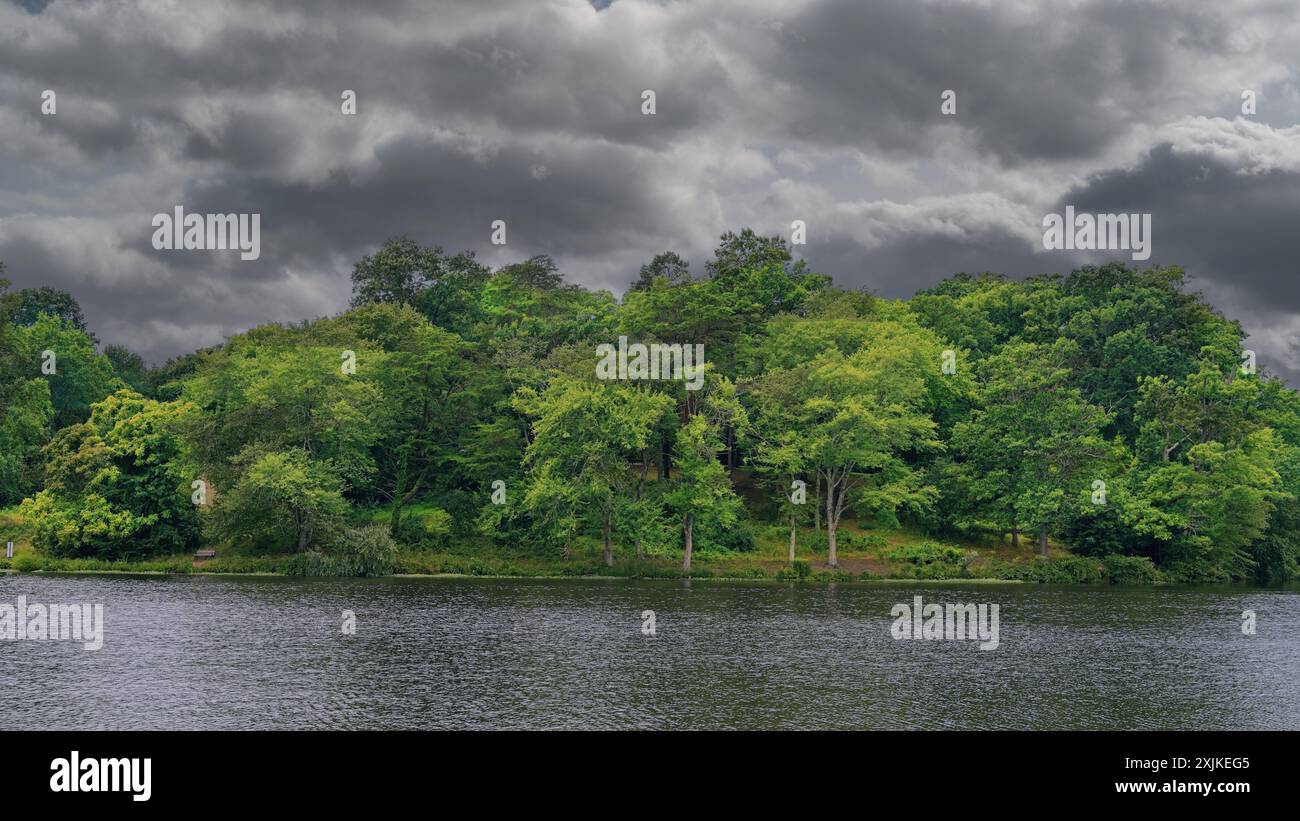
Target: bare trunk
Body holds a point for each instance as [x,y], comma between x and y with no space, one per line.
[1042,541]
[793,532]
[832,525]
[302,538]
[817,502]
[665,457]
[640,491]
[688,527]
[609,545]
[1015,533]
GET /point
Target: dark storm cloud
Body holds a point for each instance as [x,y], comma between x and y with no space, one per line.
[1047,84]
[529,112]
[899,269]
[1234,230]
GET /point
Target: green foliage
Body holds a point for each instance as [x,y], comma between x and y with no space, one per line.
[115,485]
[799,569]
[352,551]
[926,553]
[281,500]
[81,376]
[1101,413]
[1130,570]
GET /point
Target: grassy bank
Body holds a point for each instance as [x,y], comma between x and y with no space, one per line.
[864,554]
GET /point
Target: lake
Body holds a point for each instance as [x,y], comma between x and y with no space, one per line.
[253,653]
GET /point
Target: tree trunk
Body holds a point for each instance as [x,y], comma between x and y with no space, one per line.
[399,490]
[793,532]
[609,546]
[817,503]
[665,457]
[1042,541]
[302,537]
[688,526]
[640,492]
[832,525]
[1015,533]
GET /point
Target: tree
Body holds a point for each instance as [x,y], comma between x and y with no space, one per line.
[539,272]
[583,436]
[420,380]
[30,304]
[1034,441]
[702,487]
[281,497]
[279,395]
[779,453]
[863,419]
[25,409]
[446,289]
[130,368]
[668,266]
[1211,481]
[81,376]
[25,414]
[116,485]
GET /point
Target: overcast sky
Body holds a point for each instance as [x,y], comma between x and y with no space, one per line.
[768,111]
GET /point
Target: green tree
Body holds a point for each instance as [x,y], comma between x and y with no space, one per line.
[584,434]
[668,266]
[81,376]
[1034,442]
[702,487]
[281,497]
[30,304]
[116,485]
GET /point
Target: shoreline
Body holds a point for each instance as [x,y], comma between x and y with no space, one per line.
[818,582]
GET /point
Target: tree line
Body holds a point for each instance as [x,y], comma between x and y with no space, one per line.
[1107,410]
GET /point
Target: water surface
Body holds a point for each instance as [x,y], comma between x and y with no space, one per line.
[254,653]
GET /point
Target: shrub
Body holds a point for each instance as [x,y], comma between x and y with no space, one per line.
[871,540]
[353,551]
[27,562]
[711,536]
[1130,570]
[926,553]
[1065,570]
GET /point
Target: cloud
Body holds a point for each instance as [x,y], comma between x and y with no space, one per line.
[767,111]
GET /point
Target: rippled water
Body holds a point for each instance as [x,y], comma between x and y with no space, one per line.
[261,653]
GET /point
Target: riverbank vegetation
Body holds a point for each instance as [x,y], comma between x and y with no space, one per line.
[1100,426]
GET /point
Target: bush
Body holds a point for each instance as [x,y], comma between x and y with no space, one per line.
[871,541]
[1130,570]
[833,576]
[798,570]
[926,553]
[27,562]
[710,536]
[1065,570]
[354,551]
[425,530]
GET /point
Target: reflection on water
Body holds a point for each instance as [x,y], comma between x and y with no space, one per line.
[263,653]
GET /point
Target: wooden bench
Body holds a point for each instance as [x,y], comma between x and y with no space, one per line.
[205,554]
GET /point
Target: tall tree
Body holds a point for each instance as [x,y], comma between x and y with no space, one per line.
[702,487]
[584,435]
